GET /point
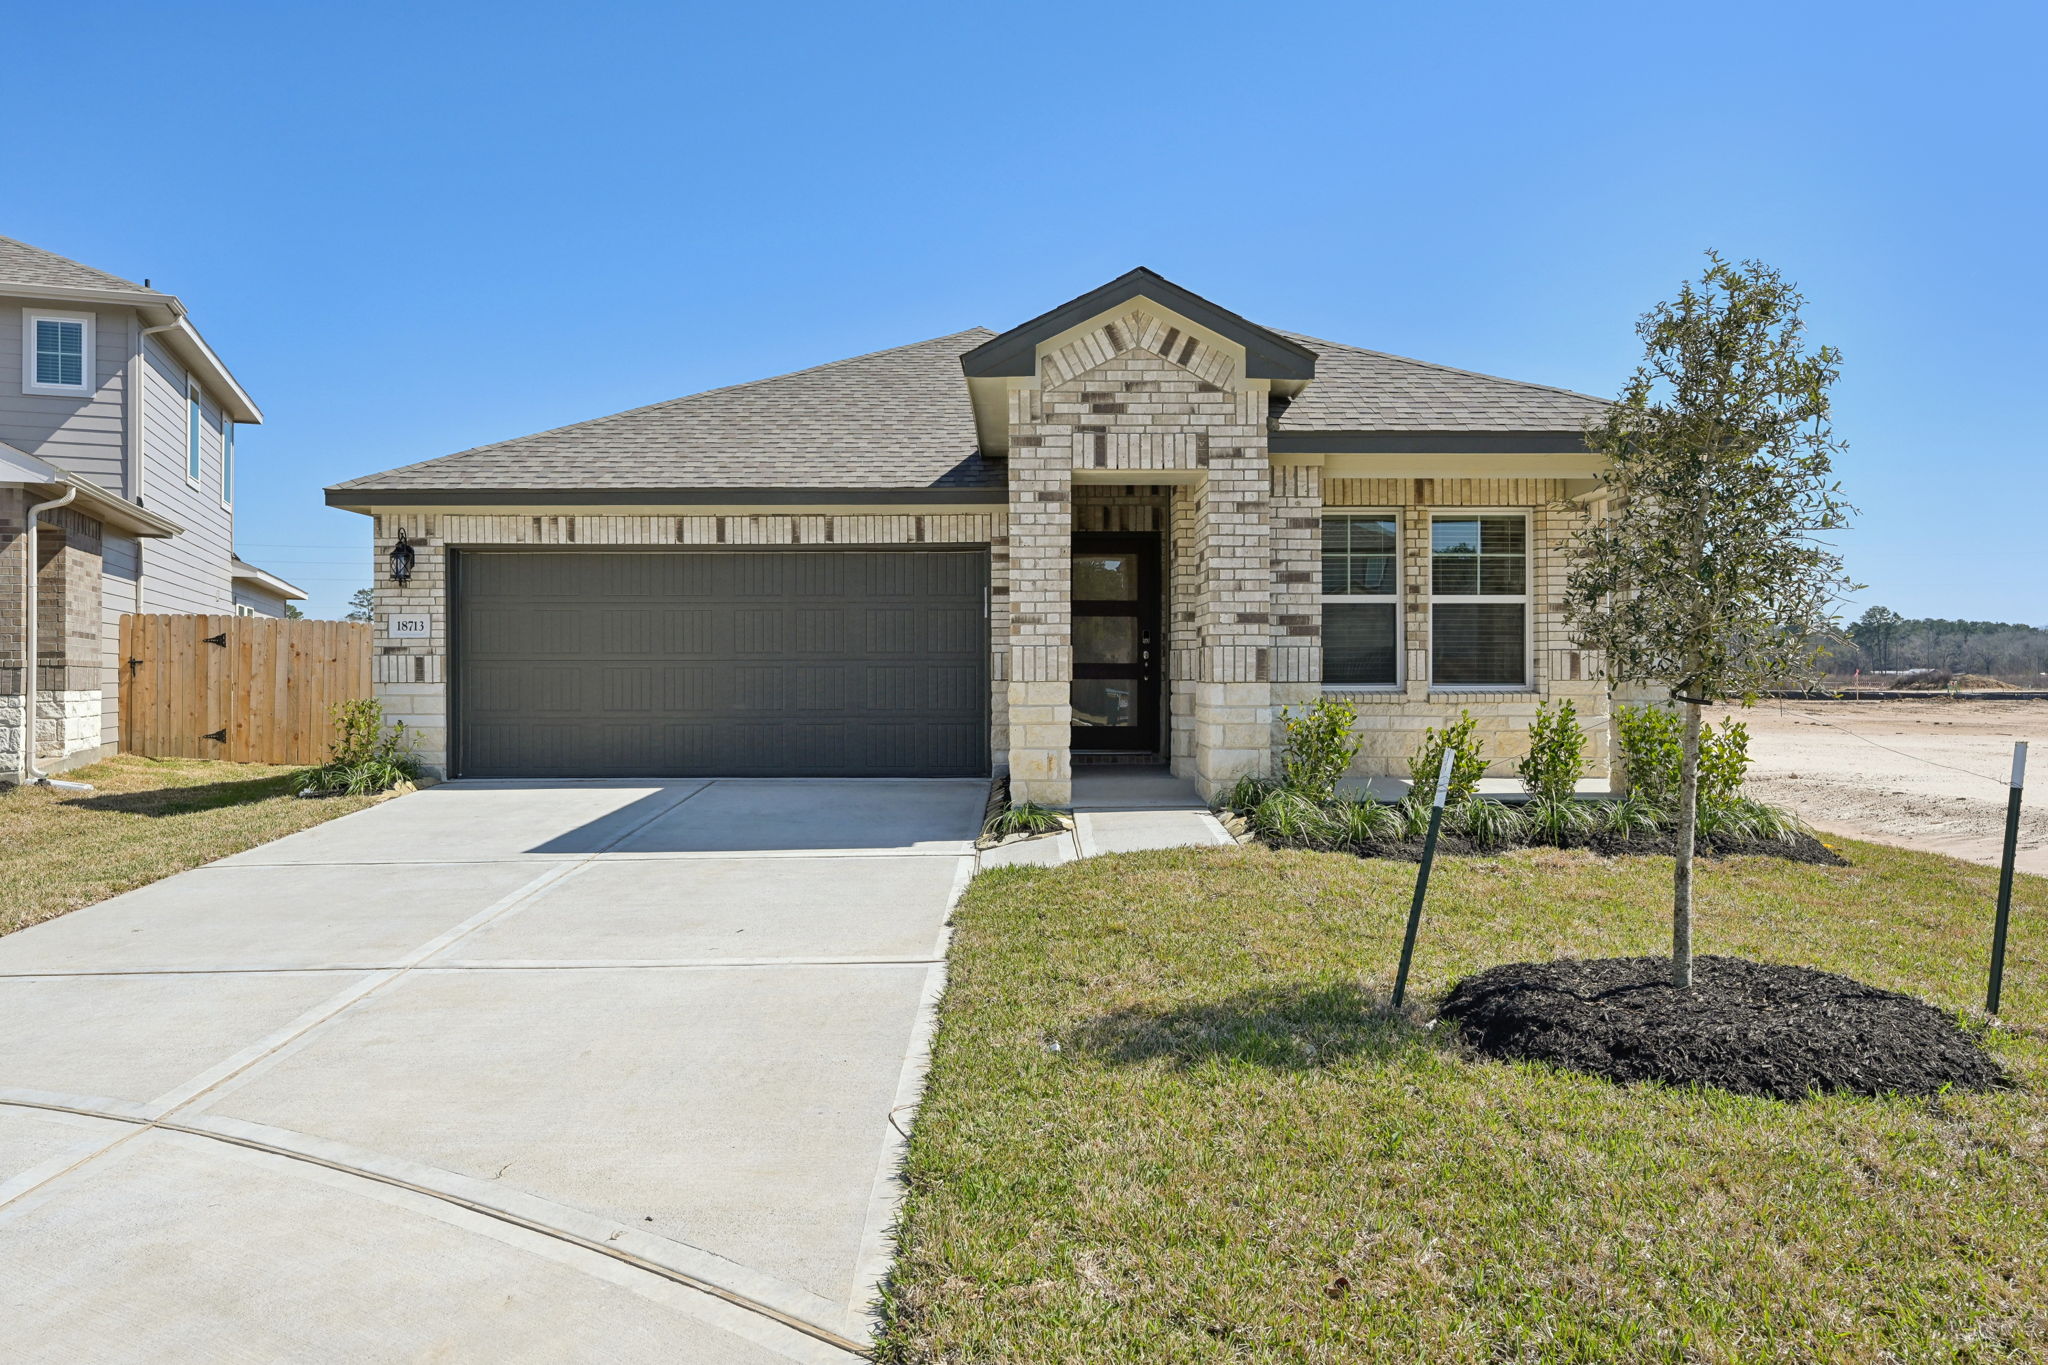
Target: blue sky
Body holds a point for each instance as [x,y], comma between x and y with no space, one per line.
[416,228]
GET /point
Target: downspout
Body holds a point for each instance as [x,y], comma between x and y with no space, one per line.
[30,773]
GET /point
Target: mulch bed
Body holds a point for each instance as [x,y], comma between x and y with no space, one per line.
[1750,1027]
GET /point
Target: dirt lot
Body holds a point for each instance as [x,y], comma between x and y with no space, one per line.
[1921,774]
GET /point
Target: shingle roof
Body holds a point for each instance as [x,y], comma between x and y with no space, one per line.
[901,419]
[889,420]
[1360,390]
[21,263]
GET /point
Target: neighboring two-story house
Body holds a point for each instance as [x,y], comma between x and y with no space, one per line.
[1138,526]
[119,421]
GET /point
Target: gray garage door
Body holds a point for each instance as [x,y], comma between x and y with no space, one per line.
[847,663]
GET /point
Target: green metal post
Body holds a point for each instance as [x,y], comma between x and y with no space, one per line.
[2012,846]
[1436,820]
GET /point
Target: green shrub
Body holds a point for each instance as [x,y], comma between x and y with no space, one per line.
[1487,824]
[1290,817]
[1557,753]
[1321,742]
[1724,760]
[1461,734]
[1366,822]
[366,755]
[1025,817]
[1649,742]
[1548,820]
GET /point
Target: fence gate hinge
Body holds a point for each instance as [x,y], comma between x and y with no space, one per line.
[220,639]
[134,664]
[218,736]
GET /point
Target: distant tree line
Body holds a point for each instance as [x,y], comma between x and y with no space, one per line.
[1883,639]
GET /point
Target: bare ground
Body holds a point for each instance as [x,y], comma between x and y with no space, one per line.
[1920,774]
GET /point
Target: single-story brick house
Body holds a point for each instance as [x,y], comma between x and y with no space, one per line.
[1135,525]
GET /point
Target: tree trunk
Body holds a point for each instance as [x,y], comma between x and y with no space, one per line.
[1688,827]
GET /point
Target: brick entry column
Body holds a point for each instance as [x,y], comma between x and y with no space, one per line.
[1041,647]
[1233,720]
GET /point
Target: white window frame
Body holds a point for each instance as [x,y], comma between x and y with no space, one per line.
[1396,599]
[1527,598]
[227,461]
[195,432]
[89,371]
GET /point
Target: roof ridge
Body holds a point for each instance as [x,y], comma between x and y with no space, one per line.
[1306,339]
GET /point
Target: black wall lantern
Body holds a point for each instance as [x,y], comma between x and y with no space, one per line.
[401,559]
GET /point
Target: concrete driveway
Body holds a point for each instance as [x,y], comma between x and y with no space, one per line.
[501,1071]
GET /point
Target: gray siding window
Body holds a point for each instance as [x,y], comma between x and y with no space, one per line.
[60,353]
[1361,607]
[195,423]
[57,352]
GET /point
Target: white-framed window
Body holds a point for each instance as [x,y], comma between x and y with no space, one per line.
[1361,598]
[56,352]
[195,429]
[244,609]
[1479,600]
[227,460]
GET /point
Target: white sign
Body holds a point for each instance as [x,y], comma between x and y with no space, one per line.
[408,627]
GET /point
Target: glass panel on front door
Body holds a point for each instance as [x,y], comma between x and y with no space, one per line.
[1116,642]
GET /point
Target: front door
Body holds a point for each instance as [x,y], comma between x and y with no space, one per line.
[1116,642]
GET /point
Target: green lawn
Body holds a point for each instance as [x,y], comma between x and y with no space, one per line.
[145,819]
[1167,1122]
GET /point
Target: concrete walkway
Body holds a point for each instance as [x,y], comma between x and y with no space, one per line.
[495,1072]
[1119,810]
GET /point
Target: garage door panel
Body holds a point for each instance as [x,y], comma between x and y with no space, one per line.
[741,663]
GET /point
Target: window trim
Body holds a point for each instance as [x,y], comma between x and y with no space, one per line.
[227,461]
[89,370]
[1527,597]
[1394,598]
[195,431]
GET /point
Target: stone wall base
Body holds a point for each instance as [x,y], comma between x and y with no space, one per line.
[1391,724]
[67,731]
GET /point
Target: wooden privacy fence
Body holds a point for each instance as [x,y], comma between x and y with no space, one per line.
[249,689]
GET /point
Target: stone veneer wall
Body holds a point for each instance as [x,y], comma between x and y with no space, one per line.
[1391,721]
[1135,393]
[69,673]
[411,677]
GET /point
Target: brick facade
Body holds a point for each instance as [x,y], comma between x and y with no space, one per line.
[1130,424]
[69,672]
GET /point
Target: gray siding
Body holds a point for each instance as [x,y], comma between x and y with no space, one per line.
[117,598]
[258,599]
[81,433]
[187,573]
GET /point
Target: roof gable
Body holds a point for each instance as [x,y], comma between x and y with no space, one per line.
[1268,354]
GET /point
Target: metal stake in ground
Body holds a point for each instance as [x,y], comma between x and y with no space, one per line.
[1436,820]
[2012,847]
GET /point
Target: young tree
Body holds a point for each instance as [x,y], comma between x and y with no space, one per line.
[292,612]
[1704,573]
[362,605]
